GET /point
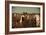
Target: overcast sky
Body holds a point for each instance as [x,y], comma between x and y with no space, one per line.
[25,9]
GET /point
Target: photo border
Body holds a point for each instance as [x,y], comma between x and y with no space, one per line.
[24,29]
[7,16]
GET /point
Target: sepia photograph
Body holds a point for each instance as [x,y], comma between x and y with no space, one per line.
[24,17]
